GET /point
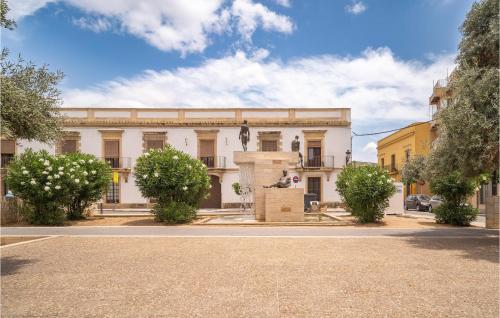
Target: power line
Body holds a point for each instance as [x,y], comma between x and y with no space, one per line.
[387,131]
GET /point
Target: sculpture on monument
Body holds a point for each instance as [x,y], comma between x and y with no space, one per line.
[296,148]
[284,181]
[244,135]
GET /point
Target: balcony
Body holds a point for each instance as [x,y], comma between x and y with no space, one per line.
[124,163]
[6,159]
[317,162]
[439,91]
[391,169]
[214,162]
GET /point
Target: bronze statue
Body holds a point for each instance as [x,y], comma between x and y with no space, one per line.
[244,135]
[284,181]
[296,148]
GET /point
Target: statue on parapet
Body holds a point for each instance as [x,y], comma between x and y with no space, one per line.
[296,148]
[244,135]
[284,181]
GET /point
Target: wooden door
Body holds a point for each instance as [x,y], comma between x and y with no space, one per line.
[214,200]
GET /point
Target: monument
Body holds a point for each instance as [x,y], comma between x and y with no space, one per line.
[244,135]
[273,201]
[296,148]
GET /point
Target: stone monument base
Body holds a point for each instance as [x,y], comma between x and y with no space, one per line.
[284,205]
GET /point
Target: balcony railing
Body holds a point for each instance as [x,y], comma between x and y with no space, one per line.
[441,83]
[118,162]
[6,159]
[319,162]
[217,162]
[391,169]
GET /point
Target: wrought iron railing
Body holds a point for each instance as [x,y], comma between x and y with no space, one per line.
[391,168]
[319,162]
[218,162]
[6,159]
[118,162]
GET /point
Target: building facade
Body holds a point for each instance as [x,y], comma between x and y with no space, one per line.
[121,135]
[396,149]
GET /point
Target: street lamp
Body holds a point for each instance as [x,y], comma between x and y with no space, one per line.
[347,156]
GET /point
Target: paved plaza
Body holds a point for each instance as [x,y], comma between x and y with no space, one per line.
[253,272]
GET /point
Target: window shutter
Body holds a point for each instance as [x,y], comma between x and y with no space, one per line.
[8,146]
[112,148]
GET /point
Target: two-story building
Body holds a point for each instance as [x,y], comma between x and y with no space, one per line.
[121,135]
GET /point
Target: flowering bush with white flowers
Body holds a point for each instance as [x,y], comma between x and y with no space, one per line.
[36,179]
[51,185]
[172,177]
[88,178]
[366,191]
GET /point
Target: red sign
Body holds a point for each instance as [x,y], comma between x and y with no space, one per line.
[295,179]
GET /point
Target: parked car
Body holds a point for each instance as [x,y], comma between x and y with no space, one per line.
[435,201]
[419,202]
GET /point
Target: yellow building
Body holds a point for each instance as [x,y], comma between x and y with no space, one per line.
[397,148]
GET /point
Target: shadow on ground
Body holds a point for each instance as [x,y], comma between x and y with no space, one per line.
[476,245]
[11,264]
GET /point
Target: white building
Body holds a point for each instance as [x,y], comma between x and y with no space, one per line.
[121,135]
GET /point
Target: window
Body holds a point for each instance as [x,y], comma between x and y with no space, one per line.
[113,192]
[207,152]
[154,144]
[8,147]
[69,143]
[269,141]
[314,153]
[153,140]
[68,146]
[112,152]
[382,163]
[393,162]
[269,145]
[314,186]
[407,155]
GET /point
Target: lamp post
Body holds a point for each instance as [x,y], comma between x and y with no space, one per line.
[347,156]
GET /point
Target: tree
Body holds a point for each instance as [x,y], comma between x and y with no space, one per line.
[176,180]
[93,177]
[455,189]
[29,96]
[366,191]
[469,127]
[413,170]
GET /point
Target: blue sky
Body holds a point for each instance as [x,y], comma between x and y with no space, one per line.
[377,57]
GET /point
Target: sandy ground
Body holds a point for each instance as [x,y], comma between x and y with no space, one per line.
[390,221]
[5,240]
[251,277]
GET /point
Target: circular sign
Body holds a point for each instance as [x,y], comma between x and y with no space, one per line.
[295,179]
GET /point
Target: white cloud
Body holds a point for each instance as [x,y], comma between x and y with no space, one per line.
[368,152]
[250,15]
[284,3]
[93,24]
[356,7]
[171,25]
[21,8]
[370,147]
[376,85]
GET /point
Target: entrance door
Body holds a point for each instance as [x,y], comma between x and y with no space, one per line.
[214,200]
[314,186]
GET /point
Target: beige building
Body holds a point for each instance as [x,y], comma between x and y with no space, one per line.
[121,135]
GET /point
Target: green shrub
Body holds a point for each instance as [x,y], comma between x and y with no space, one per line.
[174,212]
[172,176]
[236,188]
[39,180]
[93,176]
[448,213]
[455,189]
[366,191]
